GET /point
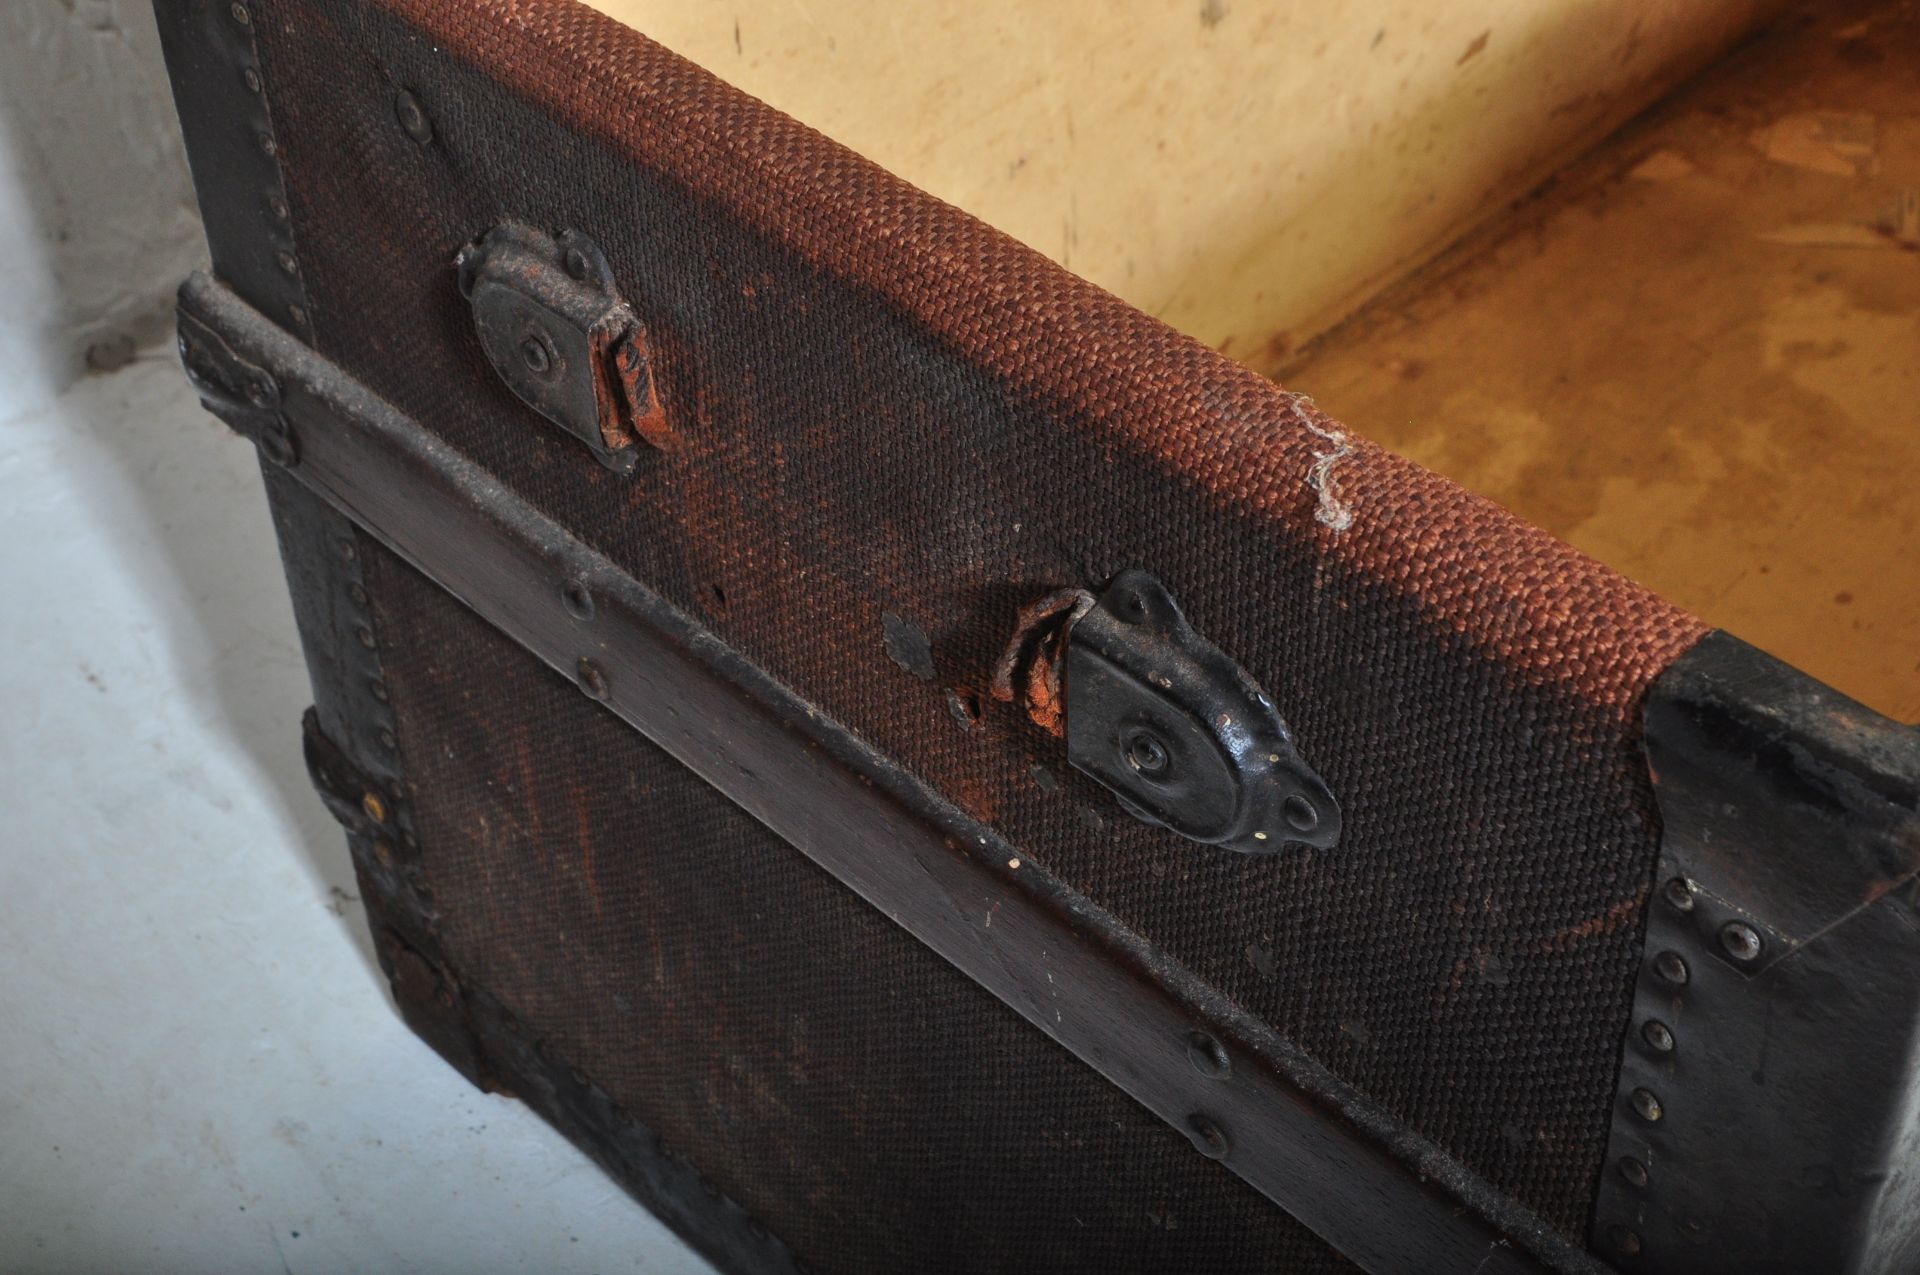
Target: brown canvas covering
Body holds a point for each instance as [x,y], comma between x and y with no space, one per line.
[882,406]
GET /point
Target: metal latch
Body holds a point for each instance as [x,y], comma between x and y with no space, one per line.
[552,323]
[1180,733]
[240,392]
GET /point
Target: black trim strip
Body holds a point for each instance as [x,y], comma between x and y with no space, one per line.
[1768,1113]
[1388,1200]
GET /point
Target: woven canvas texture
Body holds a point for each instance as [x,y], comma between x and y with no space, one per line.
[883,406]
[865,1100]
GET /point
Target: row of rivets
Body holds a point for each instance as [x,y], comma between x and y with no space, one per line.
[1743,944]
[1670,968]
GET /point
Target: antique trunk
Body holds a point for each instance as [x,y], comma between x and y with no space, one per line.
[916,765]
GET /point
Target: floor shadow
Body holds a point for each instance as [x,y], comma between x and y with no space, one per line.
[94,185]
[177,487]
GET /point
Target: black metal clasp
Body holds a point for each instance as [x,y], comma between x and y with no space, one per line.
[242,393]
[552,323]
[1181,734]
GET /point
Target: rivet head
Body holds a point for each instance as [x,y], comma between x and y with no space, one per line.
[1208,1056]
[413,117]
[378,690]
[278,207]
[277,447]
[592,680]
[1671,967]
[251,78]
[285,261]
[1633,1171]
[1646,1105]
[1657,1036]
[534,353]
[577,263]
[577,599]
[376,808]
[268,146]
[240,14]
[1679,894]
[364,636]
[388,740]
[1145,753]
[1624,1241]
[1741,940]
[1207,1137]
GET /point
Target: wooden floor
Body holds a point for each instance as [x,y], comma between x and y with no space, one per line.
[1698,358]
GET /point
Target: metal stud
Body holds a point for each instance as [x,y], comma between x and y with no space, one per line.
[1657,1036]
[577,599]
[1208,1055]
[1670,966]
[1646,1105]
[592,680]
[1741,940]
[1633,1171]
[1679,894]
[240,14]
[277,447]
[1207,1137]
[1624,1241]
[1145,753]
[286,262]
[413,117]
[533,352]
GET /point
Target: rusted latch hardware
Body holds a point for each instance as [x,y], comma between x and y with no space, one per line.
[1180,733]
[554,327]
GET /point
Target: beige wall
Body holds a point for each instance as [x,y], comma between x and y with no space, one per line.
[1249,170]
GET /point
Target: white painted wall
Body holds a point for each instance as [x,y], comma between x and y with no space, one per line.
[97,215]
